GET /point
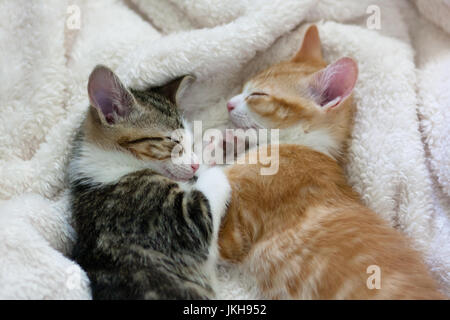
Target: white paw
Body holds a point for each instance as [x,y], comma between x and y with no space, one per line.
[213,183]
[202,169]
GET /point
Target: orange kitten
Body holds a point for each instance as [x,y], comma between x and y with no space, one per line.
[307,100]
[303,233]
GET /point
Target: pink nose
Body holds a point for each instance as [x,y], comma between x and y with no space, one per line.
[195,166]
[230,106]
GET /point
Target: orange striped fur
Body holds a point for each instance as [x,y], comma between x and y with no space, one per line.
[303,233]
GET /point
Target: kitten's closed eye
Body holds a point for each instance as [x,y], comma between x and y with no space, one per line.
[169,140]
[145,139]
[152,148]
[258,94]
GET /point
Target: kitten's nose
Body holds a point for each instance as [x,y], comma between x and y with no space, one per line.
[195,166]
[230,106]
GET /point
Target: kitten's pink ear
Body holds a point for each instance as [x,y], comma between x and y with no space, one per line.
[311,47]
[108,95]
[334,84]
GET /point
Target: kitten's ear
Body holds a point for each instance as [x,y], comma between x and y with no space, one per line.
[175,89]
[334,84]
[311,48]
[108,95]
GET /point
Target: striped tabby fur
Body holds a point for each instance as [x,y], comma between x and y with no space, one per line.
[145,230]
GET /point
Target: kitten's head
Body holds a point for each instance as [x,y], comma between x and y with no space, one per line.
[307,100]
[138,128]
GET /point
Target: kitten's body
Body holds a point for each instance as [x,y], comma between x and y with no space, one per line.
[303,233]
[142,234]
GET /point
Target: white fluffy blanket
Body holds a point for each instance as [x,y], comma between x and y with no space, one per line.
[400,151]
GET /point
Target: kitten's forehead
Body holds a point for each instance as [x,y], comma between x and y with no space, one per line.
[157,111]
[282,77]
[288,69]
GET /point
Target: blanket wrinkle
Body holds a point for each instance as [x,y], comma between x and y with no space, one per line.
[399,155]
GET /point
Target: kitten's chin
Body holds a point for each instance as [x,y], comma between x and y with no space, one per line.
[242,122]
[246,126]
[177,177]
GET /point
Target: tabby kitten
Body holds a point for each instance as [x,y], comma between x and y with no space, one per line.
[303,233]
[145,231]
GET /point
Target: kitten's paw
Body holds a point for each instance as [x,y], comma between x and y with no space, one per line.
[214,146]
[236,143]
[224,149]
[202,169]
[213,183]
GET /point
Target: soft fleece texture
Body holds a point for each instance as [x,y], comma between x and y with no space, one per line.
[399,154]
